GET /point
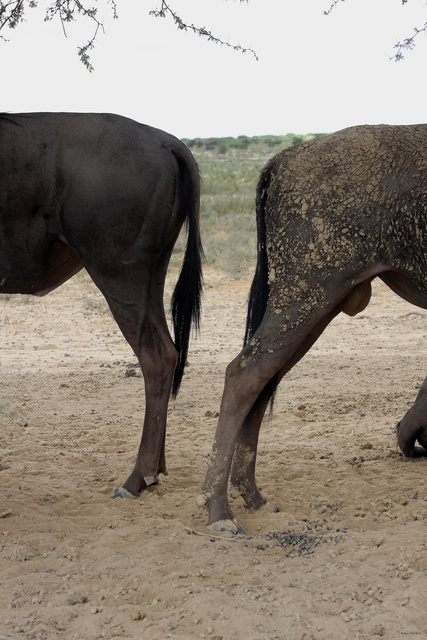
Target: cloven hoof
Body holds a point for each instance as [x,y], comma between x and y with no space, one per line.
[124,493]
[201,501]
[149,480]
[228,526]
[271,508]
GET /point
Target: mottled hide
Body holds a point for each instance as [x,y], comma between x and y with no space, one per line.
[332,215]
[106,193]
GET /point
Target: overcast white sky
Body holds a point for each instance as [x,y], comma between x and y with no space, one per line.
[315,73]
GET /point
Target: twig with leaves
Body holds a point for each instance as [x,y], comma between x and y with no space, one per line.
[13,12]
[405,45]
[408,43]
[165,10]
[66,10]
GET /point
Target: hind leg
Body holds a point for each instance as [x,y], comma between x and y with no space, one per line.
[271,351]
[279,343]
[413,426]
[240,393]
[137,306]
[157,357]
[242,478]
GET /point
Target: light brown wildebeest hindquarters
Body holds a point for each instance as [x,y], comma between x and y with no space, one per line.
[332,215]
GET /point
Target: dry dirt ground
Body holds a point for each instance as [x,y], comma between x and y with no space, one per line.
[344,558]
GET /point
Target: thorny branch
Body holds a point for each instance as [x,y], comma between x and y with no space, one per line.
[406,45]
[12,12]
[165,10]
[66,10]
[333,4]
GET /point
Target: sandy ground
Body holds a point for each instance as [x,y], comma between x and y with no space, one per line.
[344,558]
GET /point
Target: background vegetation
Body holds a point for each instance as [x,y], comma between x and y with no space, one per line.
[230,168]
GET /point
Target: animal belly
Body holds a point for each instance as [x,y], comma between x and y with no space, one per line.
[37,272]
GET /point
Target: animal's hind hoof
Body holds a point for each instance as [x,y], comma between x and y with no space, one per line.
[229,526]
[418,452]
[271,508]
[201,501]
[124,493]
[149,480]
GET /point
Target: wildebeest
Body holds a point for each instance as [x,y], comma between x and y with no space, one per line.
[332,214]
[103,192]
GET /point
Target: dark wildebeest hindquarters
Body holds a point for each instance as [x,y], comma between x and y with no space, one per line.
[332,215]
[106,193]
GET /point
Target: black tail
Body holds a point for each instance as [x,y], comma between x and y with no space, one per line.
[186,299]
[260,289]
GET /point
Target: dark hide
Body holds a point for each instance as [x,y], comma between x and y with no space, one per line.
[106,193]
[332,215]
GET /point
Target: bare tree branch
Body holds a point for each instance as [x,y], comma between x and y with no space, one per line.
[13,12]
[166,10]
[66,11]
[405,45]
[333,5]
[408,44]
